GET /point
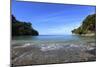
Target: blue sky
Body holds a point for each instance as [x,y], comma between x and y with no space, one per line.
[51,19]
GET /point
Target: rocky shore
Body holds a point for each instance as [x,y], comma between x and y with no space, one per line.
[34,55]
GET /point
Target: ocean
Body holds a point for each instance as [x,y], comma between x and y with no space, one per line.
[47,49]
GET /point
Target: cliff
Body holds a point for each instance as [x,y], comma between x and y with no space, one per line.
[20,28]
[88,26]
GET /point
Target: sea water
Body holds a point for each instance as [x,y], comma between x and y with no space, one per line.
[44,49]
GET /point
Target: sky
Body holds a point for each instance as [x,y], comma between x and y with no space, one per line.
[51,19]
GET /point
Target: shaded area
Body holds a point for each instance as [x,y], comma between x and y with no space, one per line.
[20,28]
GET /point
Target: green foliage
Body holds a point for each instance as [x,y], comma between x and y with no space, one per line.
[88,25]
[22,28]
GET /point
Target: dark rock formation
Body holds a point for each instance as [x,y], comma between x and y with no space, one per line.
[20,28]
[88,25]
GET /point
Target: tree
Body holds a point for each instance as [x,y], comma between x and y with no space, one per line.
[22,28]
[88,25]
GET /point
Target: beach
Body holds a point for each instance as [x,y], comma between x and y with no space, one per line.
[32,53]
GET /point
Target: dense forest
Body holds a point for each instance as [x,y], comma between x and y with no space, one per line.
[22,28]
[88,25]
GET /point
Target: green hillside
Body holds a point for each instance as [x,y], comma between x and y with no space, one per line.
[88,26]
[22,28]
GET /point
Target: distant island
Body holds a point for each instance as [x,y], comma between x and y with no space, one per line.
[88,26]
[20,28]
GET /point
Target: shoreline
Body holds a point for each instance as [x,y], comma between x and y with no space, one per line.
[92,34]
[32,54]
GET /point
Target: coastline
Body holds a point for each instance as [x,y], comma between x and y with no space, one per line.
[88,34]
[48,54]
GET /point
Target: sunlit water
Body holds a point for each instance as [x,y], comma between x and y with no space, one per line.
[51,48]
[68,39]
